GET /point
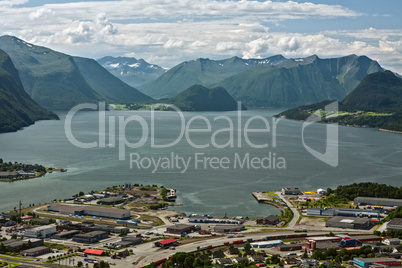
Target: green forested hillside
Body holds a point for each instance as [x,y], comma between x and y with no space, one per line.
[17,109]
[199,98]
[366,189]
[55,80]
[376,102]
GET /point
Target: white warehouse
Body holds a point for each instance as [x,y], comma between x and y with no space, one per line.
[41,231]
[266,244]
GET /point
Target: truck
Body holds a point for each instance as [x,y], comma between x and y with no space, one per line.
[90,260]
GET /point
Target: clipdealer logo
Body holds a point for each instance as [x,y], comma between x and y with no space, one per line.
[237,131]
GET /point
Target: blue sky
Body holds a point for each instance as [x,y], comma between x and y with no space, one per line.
[169,32]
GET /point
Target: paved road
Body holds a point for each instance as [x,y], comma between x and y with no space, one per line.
[296,213]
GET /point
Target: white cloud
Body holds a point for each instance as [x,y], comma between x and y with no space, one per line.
[40,13]
[168,32]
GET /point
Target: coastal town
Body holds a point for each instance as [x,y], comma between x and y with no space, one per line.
[129,226]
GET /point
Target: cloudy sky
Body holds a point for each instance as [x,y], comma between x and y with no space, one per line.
[168,32]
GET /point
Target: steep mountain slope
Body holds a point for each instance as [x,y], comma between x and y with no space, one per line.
[296,82]
[54,80]
[199,98]
[203,72]
[105,84]
[130,70]
[376,102]
[17,109]
[378,92]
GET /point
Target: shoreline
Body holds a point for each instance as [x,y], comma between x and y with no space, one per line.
[391,131]
[340,124]
[22,178]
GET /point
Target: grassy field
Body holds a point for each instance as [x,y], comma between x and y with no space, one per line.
[14,258]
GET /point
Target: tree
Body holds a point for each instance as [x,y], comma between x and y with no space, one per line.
[80,264]
[247,247]
[275,259]
[305,255]
[197,262]
[188,262]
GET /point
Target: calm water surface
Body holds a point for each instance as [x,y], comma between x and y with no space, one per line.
[364,155]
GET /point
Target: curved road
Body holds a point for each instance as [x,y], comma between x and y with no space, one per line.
[296,213]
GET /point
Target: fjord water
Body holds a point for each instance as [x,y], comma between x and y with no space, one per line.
[364,155]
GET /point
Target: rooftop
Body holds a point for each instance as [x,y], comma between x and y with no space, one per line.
[167,241]
[396,221]
[93,251]
[32,250]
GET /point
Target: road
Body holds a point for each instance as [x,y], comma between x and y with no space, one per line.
[296,213]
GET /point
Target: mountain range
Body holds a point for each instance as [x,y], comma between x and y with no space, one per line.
[274,81]
[133,72]
[17,109]
[205,72]
[59,81]
[375,102]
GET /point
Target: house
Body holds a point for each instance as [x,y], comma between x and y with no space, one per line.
[27,172]
[239,259]
[233,251]
[218,254]
[291,191]
[224,261]
[269,220]
[257,258]
[291,261]
[391,241]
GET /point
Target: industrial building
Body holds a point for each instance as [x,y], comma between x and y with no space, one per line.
[96,252]
[181,229]
[228,228]
[36,251]
[290,247]
[266,244]
[348,212]
[376,262]
[269,220]
[15,245]
[41,231]
[348,222]
[111,200]
[373,201]
[129,240]
[66,234]
[205,219]
[166,243]
[395,224]
[91,237]
[291,191]
[102,212]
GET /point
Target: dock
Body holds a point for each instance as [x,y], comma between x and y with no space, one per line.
[260,197]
